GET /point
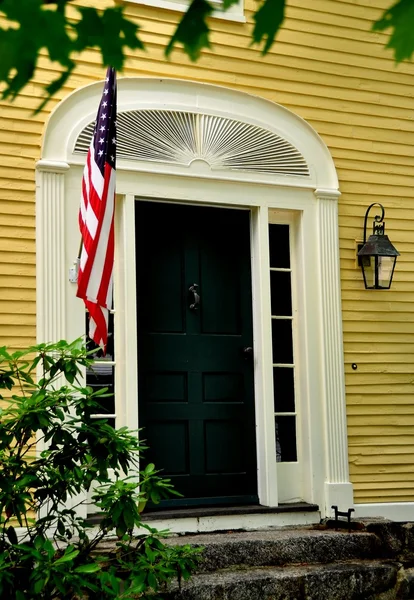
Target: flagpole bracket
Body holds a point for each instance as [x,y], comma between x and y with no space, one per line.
[73,271]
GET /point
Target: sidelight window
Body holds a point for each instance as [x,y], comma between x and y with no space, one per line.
[282,342]
[101,374]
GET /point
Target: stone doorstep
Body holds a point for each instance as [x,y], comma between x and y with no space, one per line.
[362,580]
[281,547]
[301,563]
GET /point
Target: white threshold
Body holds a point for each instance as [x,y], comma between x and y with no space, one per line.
[246,522]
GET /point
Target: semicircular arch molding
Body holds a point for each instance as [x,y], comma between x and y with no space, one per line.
[173,122]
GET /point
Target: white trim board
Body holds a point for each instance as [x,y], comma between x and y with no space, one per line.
[395,511]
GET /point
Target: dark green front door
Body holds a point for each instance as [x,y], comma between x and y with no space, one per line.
[195,341]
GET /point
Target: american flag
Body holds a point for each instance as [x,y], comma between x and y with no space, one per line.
[96,216]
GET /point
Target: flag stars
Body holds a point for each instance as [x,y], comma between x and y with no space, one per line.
[103,116]
[114,140]
[104,104]
[101,140]
[102,128]
[106,91]
[100,152]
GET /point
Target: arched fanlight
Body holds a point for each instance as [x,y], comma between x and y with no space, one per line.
[377,257]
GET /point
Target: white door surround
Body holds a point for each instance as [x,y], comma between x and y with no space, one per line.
[239,179]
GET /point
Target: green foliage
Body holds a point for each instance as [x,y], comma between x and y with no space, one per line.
[269,19]
[56,555]
[193,30]
[399,18]
[32,27]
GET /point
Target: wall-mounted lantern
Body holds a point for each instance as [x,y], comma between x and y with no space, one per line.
[377,256]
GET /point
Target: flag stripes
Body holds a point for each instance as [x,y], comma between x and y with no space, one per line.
[96,217]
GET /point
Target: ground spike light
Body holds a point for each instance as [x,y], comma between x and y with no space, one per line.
[377,256]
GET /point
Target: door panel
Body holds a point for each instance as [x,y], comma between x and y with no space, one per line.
[196,401]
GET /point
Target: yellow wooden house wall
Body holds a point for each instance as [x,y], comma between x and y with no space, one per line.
[331,70]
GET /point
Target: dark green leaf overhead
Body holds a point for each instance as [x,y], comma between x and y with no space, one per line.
[192,31]
[31,28]
[400,19]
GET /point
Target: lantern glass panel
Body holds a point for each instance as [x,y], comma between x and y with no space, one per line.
[368,270]
[385,270]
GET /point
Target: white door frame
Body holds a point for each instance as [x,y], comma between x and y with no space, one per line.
[314,198]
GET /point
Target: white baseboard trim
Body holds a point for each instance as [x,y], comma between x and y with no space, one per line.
[395,511]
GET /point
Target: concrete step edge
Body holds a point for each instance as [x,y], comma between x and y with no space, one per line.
[337,581]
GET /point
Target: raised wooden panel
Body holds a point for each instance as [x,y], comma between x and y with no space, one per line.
[223,387]
[220,286]
[225,450]
[166,387]
[171,449]
[162,309]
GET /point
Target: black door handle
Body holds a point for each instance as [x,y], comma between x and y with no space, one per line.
[248,353]
[196,297]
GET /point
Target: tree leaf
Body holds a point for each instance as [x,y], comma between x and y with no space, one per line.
[228,3]
[192,31]
[268,19]
[400,18]
[11,534]
[67,557]
[89,568]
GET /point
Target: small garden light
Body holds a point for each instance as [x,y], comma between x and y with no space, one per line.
[377,256]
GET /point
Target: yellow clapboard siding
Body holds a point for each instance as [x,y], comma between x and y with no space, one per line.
[382,459]
[330,69]
[9,247]
[20,269]
[18,307]
[17,294]
[380,441]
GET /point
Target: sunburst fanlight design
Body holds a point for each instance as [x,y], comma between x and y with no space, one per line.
[178,137]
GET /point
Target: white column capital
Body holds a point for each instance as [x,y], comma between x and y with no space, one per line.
[327,194]
[51,166]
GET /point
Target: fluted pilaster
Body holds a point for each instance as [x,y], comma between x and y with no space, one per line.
[50,250]
[339,490]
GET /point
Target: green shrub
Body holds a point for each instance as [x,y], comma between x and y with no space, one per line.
[46,550]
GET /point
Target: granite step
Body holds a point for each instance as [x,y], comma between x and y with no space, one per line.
[351,580]
[281,547]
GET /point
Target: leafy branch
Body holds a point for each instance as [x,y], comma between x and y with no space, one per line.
[57,555]
[31,28]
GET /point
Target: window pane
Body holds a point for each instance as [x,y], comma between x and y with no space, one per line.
[284,389]
[279,246]
[282,341]
[110,346]
[281,295]
[101,375]
[286,439]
